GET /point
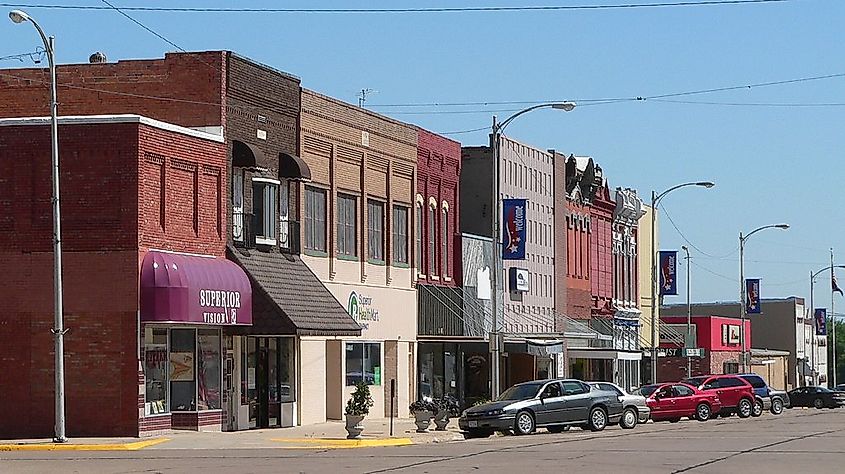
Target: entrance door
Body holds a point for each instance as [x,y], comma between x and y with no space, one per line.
[263,420]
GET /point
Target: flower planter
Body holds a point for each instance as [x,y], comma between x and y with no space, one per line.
[354,427]
[441,420]
[423,420]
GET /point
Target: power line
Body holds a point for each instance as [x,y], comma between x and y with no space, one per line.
[34,56]
[459,132]
[688,241]
[752,104]
[746,86]
[629,6]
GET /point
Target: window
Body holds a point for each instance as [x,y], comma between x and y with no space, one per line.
[375,231]
[682,391]
[264,209]
[755,381]
[731,368]
[346,223]
[363,363]
[432,240]
[445,242]
[238,204]
[574,388]
[400,234]
[208,369]
[552,390]
[284,214]
[418,231]
[156,368]
[315,219]
[728,382]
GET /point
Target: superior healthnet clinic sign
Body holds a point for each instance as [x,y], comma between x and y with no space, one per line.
[360,307]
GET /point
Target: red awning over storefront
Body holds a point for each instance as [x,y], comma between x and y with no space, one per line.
[189,289]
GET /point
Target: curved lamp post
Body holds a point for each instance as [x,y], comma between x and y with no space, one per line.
[19,16]
[498,128]
[655,200]
[742,295]
[813,276]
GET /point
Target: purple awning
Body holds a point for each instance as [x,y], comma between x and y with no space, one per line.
[178,288]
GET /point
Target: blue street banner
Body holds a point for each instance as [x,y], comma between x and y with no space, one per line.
[668,272]
[752,296]
[821,321]
[513,229]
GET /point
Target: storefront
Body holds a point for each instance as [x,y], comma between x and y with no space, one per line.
[457,369]
[186,301]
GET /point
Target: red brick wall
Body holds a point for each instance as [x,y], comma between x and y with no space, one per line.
[131,86]
[601,251]
[672,369]
[578,288]
[100,201]
[438,175]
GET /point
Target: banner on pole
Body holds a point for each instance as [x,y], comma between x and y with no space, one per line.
[752,296]
[668,272]
[513,230]
[821,321]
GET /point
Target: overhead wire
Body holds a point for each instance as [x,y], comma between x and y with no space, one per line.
[688,241]
[698,3]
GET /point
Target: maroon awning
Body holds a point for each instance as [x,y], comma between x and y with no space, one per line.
[178,288]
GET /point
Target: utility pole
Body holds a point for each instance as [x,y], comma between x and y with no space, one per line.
[833,318]
[689,313]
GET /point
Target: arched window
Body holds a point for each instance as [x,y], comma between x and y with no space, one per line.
[418,234]
[444,241]
[432,237]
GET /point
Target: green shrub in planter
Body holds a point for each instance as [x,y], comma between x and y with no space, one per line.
[361,401]
[423,405]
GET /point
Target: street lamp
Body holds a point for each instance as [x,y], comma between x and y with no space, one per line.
[689,313]
[742,295]
[498,128]
[812,311]
[655,200]
[18,16]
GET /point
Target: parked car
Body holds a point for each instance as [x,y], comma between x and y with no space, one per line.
[766,397]
[735,394]
[553,404]
[634,407]
[839,388]
[673,401]
[819,397]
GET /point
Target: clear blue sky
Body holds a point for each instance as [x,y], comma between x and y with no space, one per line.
[771,164]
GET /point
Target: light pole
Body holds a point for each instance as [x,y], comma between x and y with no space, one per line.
[58,331]
[813,312]
[655,200]
[495,137]
[742,295]
[689,312]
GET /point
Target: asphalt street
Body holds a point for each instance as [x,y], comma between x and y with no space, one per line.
[799,441]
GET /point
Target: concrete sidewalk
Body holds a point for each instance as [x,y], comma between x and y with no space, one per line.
[330,435]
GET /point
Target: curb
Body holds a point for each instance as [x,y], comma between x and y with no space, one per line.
[83,447]
[340,443]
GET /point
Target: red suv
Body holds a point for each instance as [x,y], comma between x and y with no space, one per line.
[735,394]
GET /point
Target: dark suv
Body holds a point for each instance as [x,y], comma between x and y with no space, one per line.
[766,398]
[735,394]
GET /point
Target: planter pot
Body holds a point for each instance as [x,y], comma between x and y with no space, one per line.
[354,427]
[441,420]
[423,420]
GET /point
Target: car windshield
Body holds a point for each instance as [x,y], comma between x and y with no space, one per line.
[695,381]
[823,390]
[522,391]
[646,391]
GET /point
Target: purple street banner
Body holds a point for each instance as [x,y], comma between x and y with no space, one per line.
[668,272]
[821,321]
[752,296]
[513,230]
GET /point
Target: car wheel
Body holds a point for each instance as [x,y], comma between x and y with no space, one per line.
[702,412]
[629,420]
[598,419]
[777,406]
[745,408]
[818,403]
[558,428]
[757,409]
[674,420]
[473,434]
[524,423]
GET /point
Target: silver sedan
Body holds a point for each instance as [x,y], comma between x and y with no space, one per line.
[635,409]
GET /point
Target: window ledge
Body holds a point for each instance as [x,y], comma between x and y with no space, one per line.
[374,261]
[348,258]
[401,265]
[262,241]
[445,278]
[316,253]
[435,277]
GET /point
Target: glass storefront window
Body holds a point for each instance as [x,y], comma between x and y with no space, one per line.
[183,387]
[363,363]
[286,369]
[208,369]
[155,371]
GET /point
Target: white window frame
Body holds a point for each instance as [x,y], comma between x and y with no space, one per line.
[272,218]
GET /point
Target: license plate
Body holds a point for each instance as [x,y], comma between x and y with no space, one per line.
[472,424]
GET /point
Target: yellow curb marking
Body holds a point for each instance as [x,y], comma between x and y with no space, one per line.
[83,447]
[339,443]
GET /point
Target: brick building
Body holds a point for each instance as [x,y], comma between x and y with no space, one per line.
[717,335]
[256,111]
[357,215]
[135,192]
